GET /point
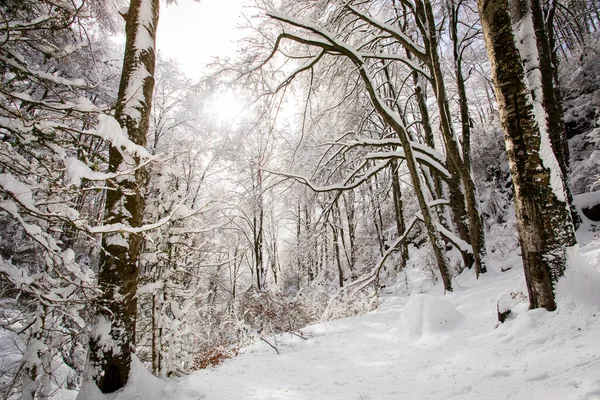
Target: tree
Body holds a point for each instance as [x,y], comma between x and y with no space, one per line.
[412,152]
[541,203]
[463,202]
[49,158]
[113,336]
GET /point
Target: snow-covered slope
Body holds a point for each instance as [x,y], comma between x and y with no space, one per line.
[427,346]
[450,347]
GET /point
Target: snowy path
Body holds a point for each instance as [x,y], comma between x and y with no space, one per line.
[537,355]
[425,347]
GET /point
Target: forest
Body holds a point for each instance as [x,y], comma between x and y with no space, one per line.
[411,183]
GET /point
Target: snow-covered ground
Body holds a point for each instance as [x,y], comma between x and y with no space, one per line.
[426,346]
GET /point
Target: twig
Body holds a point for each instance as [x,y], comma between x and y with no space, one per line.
[299,335]
[267,342]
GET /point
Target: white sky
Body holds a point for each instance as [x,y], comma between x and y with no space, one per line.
[193,32]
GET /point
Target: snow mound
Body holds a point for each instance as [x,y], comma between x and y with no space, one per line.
[426,315]
[579,287]
[142,385]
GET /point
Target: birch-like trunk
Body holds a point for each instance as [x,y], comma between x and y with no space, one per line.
[112,339]
[543,217]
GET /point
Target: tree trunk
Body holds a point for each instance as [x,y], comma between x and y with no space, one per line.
[465,117]
[376,215]
[543,217]
[427,131]
[476,232]
[258,230]
[311,245]
[551,98]
[113,336]
[336,244]
[156,335]
[349,206]
[398,209]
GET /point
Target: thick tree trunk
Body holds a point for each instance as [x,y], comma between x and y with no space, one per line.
[551,98]
[543,217]
[113,336]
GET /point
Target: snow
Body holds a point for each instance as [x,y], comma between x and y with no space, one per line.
[142,386]
[117,239]
[424,346]
[41,74]
[456,350]
[144,41]
[526,43]
[426,316]
[20,191]
[586,200]
[77,170]
[578,289]
[109,129]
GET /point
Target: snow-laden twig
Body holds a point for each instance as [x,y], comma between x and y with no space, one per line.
[335,187]
[123,228]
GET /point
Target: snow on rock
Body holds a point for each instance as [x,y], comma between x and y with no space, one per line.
[426,315]
[587,200]
[588,206]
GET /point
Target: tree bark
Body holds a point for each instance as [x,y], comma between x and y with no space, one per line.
[543,218]
[465,117]
[335,230]
[398,208]
[258,230]
[476,232]
[349,207]
[552,99]
[110,352]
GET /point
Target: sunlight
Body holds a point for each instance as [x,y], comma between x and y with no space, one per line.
[226,107]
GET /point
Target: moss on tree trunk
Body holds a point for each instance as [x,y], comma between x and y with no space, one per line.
[543,220]
[110,352]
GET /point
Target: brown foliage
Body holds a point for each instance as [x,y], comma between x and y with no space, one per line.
[213,356]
